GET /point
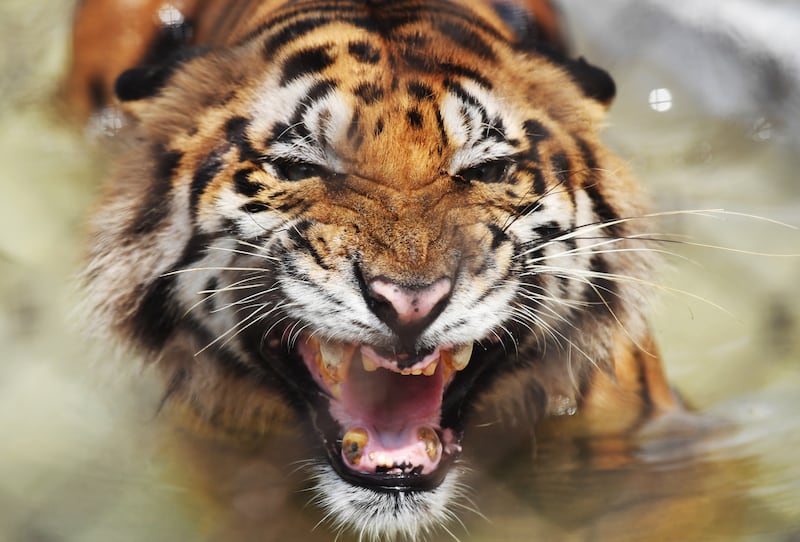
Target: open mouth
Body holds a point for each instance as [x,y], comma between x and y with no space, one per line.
[387,411]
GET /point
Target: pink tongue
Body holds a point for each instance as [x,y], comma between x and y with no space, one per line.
[391,421]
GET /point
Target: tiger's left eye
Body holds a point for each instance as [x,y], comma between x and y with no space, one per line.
[291,170]
[488,172]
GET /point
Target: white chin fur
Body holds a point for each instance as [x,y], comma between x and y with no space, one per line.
[381,516]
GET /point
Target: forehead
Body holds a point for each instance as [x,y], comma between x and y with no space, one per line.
[344,93]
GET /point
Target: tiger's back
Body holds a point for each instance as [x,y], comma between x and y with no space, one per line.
[374,220]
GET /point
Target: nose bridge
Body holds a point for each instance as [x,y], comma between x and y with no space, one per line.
[403,233]
[418,229]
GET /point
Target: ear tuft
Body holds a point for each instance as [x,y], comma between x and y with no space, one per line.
[595,82]
[148,80]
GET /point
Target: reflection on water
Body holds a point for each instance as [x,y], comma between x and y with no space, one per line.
[81,457]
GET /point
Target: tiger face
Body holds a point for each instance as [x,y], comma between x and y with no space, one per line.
[371,219]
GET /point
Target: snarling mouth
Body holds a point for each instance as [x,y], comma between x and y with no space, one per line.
[387,411]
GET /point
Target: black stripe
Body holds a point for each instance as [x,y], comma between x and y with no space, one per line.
[205,173]
[548,231]
[442,129]
[295,128]
[157,318]
[369,92]
[235,132]
[420,90]
[601,293]
[297,29]
[297,235]
[560,165]
[244,184]
[424,63]
[415,119]
[211,286]
[354,132]
[464,37]
[604,211]
[499,236]
[561,170]
[156,205]
[535,133]
[539,183]
[364,52]
[306,62]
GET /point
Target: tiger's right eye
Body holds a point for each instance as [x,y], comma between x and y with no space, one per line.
[488,172]
[295,170]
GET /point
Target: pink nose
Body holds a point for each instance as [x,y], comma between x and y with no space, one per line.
[410,304]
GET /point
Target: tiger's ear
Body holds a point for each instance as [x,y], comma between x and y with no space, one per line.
[537,26]
[147,80]
[596,83]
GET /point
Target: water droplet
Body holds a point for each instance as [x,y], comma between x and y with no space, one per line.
[660,100]
[565,406]
[169,15]
[762,129]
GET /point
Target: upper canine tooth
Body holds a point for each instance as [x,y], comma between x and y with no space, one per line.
[369,364]
[335,357]
[460,356]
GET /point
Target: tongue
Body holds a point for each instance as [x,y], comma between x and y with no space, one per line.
[391,421]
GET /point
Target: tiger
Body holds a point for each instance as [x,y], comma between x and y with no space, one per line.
[365,224]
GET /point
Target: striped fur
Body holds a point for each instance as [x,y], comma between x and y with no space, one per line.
[283,154]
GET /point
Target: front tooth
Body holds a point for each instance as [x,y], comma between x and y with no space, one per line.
[417,372]
[460,357]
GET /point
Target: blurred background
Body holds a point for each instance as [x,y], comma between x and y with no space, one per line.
[707,112]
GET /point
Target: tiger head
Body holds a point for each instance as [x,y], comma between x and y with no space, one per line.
[371,218]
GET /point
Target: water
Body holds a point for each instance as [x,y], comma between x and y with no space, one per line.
[81,458]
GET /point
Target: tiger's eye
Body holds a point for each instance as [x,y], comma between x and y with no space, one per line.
[488,172]
[292,170]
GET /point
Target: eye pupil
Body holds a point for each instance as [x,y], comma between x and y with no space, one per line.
[291,170]
[488,172]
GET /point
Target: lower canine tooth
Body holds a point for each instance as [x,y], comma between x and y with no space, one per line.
[353,444]
[430,439]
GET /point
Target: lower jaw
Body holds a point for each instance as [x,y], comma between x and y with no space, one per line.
[391,483]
